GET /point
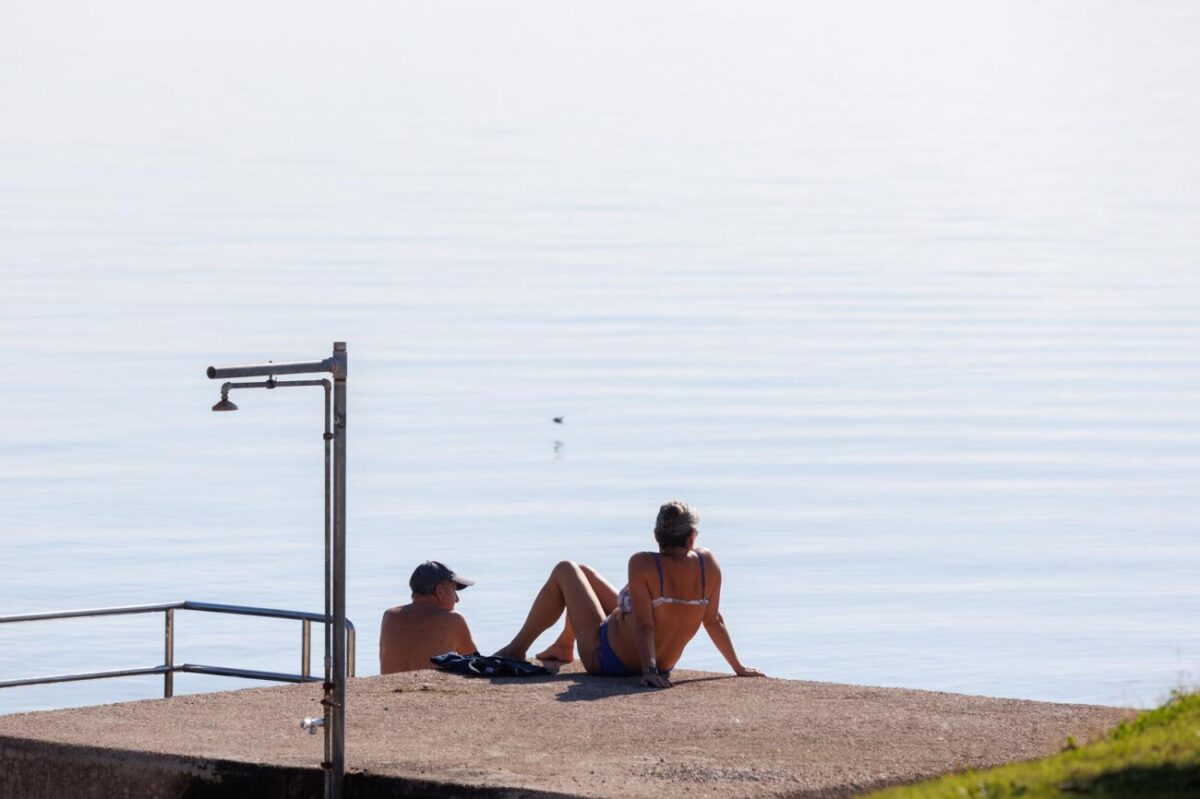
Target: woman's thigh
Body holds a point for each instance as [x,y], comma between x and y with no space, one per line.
[604,590]
[583,606]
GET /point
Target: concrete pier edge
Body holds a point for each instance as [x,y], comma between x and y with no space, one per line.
[432,734]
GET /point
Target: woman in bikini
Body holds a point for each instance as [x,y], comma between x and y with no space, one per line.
[643,628]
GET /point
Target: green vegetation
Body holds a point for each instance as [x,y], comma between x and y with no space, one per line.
[1155,755]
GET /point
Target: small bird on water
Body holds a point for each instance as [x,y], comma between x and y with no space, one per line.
[558,420]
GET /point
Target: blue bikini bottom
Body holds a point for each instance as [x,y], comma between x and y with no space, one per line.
[605,661]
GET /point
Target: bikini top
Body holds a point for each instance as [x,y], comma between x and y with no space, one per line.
[625,600]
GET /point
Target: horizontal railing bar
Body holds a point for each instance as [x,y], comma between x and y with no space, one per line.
[75,614]
[245,610]
[209,607]
[95,675]
[249,674]
[191,668]
[271,613]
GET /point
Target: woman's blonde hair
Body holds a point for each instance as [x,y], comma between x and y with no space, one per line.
[676,521]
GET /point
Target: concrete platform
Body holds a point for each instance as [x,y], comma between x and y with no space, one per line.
[433,734]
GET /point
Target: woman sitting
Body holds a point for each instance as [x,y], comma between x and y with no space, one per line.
[644,628]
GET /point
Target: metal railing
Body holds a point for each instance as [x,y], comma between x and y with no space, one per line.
[169,667]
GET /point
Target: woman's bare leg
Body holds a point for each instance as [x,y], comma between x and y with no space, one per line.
[567,587]
[563,649]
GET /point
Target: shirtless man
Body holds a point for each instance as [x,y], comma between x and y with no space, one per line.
[411,634]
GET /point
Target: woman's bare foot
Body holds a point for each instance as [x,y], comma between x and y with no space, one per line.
[510,653]
[557,651]
[552,666]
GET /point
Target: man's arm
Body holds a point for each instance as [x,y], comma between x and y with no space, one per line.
[464,644]
[389,650]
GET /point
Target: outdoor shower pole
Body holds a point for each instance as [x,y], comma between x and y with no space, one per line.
[339,563]
[334,701]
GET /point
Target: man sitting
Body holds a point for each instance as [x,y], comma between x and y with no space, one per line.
[411,634]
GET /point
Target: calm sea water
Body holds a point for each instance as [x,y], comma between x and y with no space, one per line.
[902,297]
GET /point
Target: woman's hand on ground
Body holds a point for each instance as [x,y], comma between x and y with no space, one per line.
[654,679]
[748,671]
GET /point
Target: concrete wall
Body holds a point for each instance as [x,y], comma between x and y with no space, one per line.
[42,770]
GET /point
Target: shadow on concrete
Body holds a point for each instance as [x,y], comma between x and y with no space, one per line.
[589,688]
[376,786]
[584,687]
[580,687]
[693,680]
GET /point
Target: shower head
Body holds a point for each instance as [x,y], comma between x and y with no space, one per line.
[224,405]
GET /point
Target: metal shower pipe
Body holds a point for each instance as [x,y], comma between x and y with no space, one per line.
[334,700]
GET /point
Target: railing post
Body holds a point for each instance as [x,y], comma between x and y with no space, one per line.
[305,647]
[169,654]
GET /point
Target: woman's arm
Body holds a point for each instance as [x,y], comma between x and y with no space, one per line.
[714,624]
[640,566]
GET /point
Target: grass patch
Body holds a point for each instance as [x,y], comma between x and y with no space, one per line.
[1154,755]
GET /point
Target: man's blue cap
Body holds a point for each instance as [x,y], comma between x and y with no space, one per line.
[425,578]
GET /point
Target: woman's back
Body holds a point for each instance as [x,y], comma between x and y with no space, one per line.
[675,591]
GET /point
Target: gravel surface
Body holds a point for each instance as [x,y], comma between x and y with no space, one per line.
[712,735]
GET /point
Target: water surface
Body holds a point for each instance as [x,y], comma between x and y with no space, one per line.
[903,300]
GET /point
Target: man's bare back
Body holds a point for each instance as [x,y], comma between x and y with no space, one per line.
[410,635]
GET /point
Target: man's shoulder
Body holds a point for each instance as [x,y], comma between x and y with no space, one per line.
[429,614]
[454,617]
